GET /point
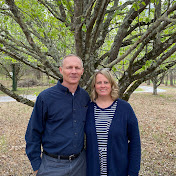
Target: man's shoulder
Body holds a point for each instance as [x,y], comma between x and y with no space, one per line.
[48,91]
[83,91]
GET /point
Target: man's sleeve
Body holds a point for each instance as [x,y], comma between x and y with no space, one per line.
[34,133]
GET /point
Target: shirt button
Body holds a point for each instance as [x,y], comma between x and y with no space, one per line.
[75,133]
[75,121]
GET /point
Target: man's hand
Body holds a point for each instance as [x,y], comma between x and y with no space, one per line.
[35,172]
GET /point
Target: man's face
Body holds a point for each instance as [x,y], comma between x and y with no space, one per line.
[71,71]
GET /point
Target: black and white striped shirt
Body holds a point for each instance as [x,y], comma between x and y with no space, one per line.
[103,118]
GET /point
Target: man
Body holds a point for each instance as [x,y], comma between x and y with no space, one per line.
[57,124]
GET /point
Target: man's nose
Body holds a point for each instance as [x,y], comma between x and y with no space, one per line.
[73,70]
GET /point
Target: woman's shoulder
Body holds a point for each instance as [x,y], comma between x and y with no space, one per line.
[123,103]
[119,100]
[91,104]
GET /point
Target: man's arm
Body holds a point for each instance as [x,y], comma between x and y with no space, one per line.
[34,134]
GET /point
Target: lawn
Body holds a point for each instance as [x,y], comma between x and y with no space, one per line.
[157,123]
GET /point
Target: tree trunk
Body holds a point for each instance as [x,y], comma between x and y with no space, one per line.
[171,78]
[14,77]
[154,80]
[148,82]
[38,74]
[166,80]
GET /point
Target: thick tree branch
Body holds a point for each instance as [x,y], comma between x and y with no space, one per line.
[144,36]
[121,7]
[104,27]
[16,96]
[26,31]
[122,32]
[93,33]
[136,84]
[156,52]
[78,12]
[52,9]
[25,61]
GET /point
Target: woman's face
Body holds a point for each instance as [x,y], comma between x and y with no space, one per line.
[102,85]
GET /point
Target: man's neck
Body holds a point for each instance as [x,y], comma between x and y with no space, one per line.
[72,87]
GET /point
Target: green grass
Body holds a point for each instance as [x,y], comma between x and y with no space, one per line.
[3,144]
[168,97]
[139,89]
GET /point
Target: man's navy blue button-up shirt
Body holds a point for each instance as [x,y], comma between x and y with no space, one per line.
[57,123]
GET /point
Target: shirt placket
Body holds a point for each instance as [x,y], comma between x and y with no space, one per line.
[75,123]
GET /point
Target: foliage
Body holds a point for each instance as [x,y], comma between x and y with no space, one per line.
[114,34]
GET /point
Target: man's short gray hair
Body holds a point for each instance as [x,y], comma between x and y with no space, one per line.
[69,55]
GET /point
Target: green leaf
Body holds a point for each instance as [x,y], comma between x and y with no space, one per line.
[135,6]
[114,69]
[143,67]
[84,28]
[143,3]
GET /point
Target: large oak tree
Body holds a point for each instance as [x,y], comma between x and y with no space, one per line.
[105,33]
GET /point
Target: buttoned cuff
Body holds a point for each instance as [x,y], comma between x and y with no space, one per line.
[36,164]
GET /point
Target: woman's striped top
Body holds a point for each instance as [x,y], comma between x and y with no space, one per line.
[103,118]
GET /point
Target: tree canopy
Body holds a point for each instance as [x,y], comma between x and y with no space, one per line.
[115,34]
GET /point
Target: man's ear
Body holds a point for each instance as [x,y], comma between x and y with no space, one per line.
[60,69]
[82,71]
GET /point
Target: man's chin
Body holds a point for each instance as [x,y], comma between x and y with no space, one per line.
[74,82]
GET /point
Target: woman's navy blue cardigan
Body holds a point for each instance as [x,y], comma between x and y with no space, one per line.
[124,148]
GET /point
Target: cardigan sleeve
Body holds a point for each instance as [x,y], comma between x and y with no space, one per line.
[134,145]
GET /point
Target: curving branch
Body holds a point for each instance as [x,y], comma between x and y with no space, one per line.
[126,95]
[19,19]
[132,14]
[52,9]
[143,37]
[16,96]
[25,61]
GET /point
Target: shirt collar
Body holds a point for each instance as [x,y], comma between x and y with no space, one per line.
[65,89]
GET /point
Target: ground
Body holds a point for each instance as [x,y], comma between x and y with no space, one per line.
[157,123]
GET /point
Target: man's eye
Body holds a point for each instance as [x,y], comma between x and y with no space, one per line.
[77,68]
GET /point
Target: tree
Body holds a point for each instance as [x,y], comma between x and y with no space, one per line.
[12,69]
[171,77]
[111,34]
[156,42]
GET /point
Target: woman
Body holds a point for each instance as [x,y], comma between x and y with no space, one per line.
[112,133]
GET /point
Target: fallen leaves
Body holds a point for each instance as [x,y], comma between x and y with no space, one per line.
[156,116]
[157,123]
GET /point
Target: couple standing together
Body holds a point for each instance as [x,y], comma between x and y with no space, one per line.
[64,112]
